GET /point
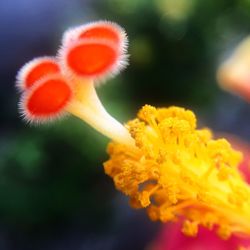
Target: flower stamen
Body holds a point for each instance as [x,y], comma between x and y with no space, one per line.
[189,166]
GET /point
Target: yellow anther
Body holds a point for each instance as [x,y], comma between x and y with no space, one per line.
[190,228]
[177,171]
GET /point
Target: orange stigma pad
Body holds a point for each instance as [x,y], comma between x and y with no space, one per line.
[42,69]
[102,32]
[49,98]
[91,58]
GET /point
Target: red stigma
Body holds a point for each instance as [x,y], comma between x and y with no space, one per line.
[42,69]
[105,32]
[91,58]
[100,30]
[34,70]
[47,99]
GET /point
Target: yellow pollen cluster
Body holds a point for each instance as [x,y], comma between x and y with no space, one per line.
[178,172]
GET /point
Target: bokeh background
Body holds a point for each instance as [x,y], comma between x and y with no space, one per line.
[53,190]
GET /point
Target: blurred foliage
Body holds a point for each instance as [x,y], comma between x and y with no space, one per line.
[53,174]
[175,46]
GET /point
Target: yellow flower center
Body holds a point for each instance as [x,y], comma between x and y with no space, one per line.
[178,172]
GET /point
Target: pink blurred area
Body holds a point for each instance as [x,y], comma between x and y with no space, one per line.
[171,237]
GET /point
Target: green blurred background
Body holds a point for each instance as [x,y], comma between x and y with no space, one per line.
[53,190]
